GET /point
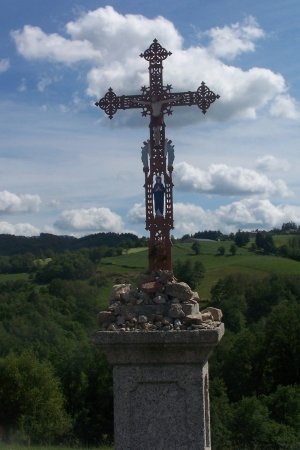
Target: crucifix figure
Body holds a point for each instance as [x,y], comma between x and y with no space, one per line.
[156,100]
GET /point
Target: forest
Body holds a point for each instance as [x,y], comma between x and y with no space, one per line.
[55,387]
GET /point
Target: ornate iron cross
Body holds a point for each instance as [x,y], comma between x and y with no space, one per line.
[157,100]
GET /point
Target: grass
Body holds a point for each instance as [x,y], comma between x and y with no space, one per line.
[13,276]
[130,264]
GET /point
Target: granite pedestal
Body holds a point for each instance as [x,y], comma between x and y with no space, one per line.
[161,387]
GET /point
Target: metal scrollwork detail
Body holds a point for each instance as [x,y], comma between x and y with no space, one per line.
[155,53]
[204,97]
[109,103]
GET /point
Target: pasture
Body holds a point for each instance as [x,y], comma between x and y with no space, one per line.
[216,266]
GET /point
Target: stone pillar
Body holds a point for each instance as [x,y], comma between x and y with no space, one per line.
[161,387]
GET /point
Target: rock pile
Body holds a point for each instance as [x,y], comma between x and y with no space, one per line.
[159,303]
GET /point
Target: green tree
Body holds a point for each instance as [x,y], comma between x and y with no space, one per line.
[264,241]
[196,247]
[221,250]
[241,238]
[289,226]
[233,249]
[282,345]
[284,406]
[32,404]
[189,272]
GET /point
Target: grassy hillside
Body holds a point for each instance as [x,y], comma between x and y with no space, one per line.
[216,266]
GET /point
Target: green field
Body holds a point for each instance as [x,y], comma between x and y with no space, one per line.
[216,267]
[13,276]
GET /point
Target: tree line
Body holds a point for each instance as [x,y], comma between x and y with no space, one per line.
[46,244]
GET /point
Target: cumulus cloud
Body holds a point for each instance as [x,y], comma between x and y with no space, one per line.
[90,219]
[189,219]
[19,229]
[12,203]
[4,65]
[136,214]
[221,179]
[256,213]
[270,163]
[246,214]
[230,41]
[33,43]
[285,106]
[111,42]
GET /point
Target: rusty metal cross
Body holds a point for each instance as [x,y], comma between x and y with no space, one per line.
[157,101]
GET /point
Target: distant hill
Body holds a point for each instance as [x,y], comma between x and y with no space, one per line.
[46,243]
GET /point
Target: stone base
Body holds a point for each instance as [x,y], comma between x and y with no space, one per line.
[161,398]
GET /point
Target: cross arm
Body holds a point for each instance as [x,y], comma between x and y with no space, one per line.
[203,97]
[110,103]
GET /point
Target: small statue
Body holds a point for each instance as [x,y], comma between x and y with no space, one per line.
[157,116]
[169,150]
[159,196]
[146,150]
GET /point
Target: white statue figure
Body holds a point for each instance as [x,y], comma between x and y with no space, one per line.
[146,151]
[157,117]
[169,150]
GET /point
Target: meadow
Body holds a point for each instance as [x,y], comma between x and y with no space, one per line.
[216,266]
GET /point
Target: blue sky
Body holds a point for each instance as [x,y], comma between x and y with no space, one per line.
[65,168]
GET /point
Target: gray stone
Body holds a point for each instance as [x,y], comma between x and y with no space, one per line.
[159,299]
[175,311]
[195,298]
[142,319]
[118,290]
[215,312]
[120,320]
[206,316]
[190,308]
[194,318]
[179,290]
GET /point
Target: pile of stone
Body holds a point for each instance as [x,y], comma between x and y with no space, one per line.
[158,303]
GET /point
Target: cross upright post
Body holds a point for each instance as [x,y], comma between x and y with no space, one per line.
[156,101]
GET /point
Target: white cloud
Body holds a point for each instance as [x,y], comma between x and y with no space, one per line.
[19,229]
[230,41]
[270,163]
[4,65]
[111,43]
[221,179]
[12,203]
[189,219]
[33,43]
[137,213]
[45,82]
[90,219]
[256,213]
[246,214]
[285,106]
